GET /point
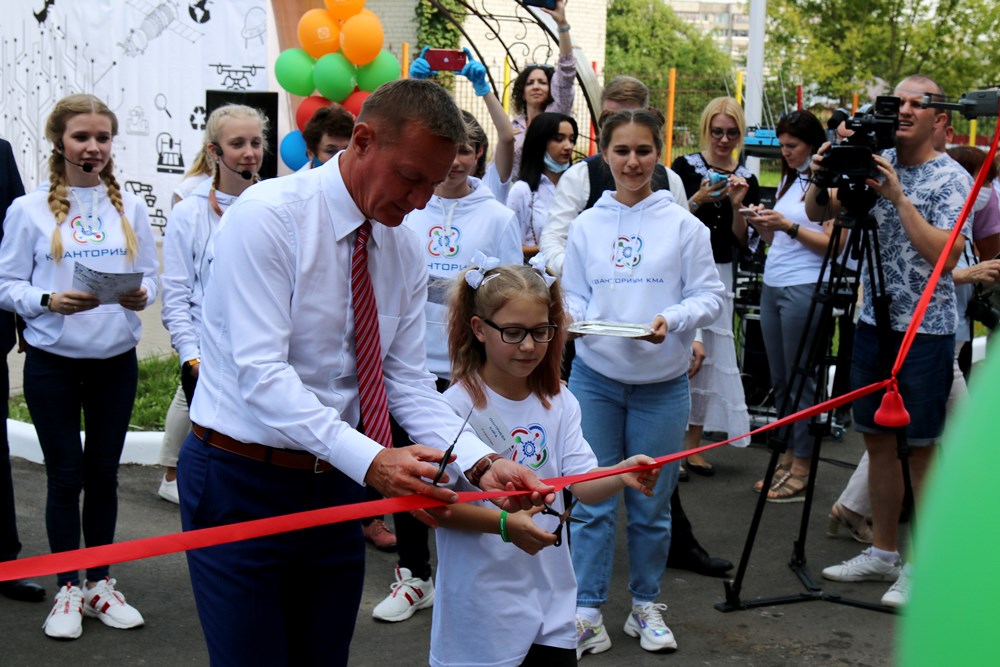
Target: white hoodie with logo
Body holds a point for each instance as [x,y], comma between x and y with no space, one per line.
[630,264]
[450,233]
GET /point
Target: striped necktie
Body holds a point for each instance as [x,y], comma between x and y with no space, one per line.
[368,344]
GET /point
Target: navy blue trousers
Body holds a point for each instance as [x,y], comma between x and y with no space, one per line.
[56,388]
[287,599]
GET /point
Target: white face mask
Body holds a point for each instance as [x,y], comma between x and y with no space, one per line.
[554,166]
[804,167]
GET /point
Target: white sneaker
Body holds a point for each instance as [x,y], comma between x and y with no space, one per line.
[591,638]
[407,596]
[645,621]
[104,602]
[168,491]
[863,567]
[899,593]
[65,621]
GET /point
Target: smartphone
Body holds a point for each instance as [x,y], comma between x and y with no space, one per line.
[748,212]
[448,60]
[717,181]
[544,4]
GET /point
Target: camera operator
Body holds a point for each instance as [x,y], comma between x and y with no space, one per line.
[921,193]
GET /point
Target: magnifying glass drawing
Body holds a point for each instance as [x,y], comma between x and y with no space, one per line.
[161,103]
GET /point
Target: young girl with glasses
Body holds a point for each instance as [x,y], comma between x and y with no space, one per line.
[501,578]
[634,257]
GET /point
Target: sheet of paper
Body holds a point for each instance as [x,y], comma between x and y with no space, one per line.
[107,287]
[491,430]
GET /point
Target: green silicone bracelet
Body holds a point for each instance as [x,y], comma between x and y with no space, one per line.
[503,526]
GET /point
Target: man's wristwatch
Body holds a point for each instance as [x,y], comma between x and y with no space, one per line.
[693,205]
[476,472]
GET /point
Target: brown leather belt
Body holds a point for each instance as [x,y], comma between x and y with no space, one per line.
[286,458]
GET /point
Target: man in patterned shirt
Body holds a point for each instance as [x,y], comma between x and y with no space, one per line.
[921,192]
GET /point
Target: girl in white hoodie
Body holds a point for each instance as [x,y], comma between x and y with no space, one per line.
[635,257]
[234,147]
[80,349]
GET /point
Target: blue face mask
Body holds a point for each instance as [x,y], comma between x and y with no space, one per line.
[554,166]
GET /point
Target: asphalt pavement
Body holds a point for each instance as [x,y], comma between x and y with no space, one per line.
[720,507]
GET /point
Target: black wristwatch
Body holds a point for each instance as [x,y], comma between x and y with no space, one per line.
[45,299]
[793,231]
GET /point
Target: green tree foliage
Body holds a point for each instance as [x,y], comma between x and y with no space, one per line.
[845,46]
[645,39]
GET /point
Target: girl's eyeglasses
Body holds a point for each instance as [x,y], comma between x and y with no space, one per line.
[514,335]
[718,133]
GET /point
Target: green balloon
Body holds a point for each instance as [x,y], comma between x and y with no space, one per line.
[294,71]
[951,614]
[334,75]
[383,69]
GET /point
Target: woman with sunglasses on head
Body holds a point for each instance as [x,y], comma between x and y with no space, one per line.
[540,88]
[797,246]
[80,352]
[718,186]
[548,152]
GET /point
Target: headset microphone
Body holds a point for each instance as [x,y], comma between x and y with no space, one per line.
[86,167]
[246,174]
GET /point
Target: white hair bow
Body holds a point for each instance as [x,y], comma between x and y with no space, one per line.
[476,276]
[538,264]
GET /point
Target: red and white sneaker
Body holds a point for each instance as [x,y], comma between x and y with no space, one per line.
[408,595]
[65,621]
[104,602]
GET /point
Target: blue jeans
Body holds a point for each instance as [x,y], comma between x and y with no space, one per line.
[55,389]
[784,318]
[619,421]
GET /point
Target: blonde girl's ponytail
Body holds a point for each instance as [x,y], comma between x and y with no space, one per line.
[115,195]
[58,201]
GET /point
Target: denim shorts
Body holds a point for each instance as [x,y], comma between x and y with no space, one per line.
[924,381]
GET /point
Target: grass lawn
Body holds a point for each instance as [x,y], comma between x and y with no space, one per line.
[158,380]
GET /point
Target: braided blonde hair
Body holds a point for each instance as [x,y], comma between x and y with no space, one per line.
[55,127]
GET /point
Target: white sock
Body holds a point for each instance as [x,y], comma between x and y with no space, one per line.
[590,614]
[890,557]
[639,603]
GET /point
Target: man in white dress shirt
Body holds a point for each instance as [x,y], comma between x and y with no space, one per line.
[277,407]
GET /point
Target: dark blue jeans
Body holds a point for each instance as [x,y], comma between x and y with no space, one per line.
[56,388]
[286,599]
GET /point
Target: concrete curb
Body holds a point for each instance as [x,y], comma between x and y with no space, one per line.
[141,447]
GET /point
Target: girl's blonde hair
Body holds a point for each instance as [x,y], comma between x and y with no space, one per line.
[500,285]
[727,106]
[55,127]
[217,120]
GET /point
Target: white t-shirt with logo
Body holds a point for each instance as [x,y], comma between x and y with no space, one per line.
[492,600]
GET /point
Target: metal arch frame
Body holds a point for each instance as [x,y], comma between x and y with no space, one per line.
[589,84]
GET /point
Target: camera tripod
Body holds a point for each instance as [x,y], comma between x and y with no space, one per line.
[835,290]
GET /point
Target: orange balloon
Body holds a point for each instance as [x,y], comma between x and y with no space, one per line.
[344,9]
[361,38]
[319,33]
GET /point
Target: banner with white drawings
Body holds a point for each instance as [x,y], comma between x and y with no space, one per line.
[151,61]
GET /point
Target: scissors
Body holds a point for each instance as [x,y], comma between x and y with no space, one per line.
[451,448]
[564,517]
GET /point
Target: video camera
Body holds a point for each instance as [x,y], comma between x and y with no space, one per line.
[873,129]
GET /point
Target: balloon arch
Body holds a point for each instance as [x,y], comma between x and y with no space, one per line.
[341,59]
